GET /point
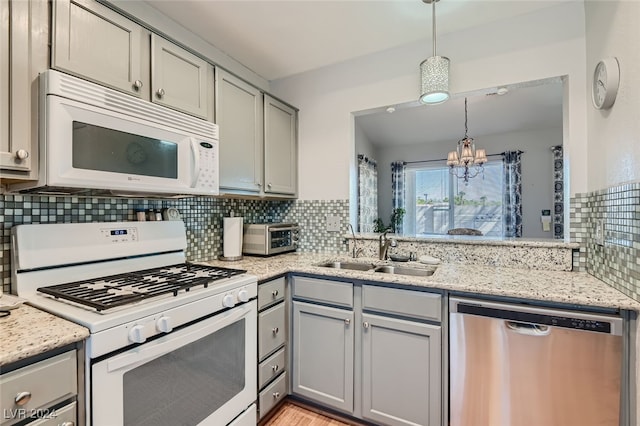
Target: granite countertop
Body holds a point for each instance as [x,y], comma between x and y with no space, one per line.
[474,240]
[28,331]
[575,288]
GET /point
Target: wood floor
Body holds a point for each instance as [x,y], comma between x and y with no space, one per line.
[290,414]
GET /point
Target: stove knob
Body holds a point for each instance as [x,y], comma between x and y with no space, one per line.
[164,324]
[228,301]
[243,295]
[136,334]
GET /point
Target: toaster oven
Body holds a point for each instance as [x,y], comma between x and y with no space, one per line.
[265,239]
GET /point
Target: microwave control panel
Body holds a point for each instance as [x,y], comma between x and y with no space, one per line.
[208,172]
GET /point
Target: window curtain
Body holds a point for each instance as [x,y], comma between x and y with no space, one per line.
[367,193]
[558,192]
[512,204]
[397,188]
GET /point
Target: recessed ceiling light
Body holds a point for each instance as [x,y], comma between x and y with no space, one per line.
[502,91]
[391,110]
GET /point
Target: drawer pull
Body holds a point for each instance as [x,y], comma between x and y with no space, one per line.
[347,321]
[365,324]
[275,330]
[22,398]
[67,424]
[160,93]
[274,293]
[137,85]
[275,368]
[276,395]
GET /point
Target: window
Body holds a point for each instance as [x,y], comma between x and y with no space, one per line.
[437,201]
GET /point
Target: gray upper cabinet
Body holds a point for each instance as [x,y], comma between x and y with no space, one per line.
[92,41]
[280,147]
[323,355]
[24,29]
[240,115]
[180,79]
[399,354]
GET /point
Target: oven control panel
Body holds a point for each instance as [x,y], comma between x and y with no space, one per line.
[120,235]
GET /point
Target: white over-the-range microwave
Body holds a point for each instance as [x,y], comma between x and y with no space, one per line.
[96,140]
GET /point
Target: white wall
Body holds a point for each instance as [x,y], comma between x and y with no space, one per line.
[543,44]
[612,29]
[537,170]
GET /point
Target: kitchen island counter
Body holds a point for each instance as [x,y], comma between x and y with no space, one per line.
[573,288]
[28,331]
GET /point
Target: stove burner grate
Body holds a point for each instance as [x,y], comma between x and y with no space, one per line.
[130,287]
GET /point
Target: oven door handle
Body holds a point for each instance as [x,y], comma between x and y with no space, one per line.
[170,342]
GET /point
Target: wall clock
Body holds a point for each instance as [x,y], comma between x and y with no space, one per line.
[606,78]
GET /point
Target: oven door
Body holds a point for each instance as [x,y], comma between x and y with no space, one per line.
[203,374]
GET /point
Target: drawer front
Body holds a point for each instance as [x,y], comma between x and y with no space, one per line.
[49,380]
[61,416]
[271,367]
[333,292]
[271,330]
[408,303]
[270,292]
[273,394]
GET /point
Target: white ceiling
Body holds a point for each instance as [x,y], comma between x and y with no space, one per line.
[526,106]
[277,39]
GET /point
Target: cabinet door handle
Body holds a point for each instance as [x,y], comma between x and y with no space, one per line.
[347,321]
[275,368]
[276,395]
[22,398]
[274,293]
[275,330]
[259,184]
[160,93]
[269,185]
[365,324]
[137,85]
[67,424]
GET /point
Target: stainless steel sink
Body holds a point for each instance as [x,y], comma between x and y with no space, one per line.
[405,270]
[348,265]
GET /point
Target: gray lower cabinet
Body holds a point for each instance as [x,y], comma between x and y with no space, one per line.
[272,347]
[35,389]
[401,371]
[323,354]
[24,28]
[395,371]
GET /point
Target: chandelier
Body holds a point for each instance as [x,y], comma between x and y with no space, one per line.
[466,162]
[434,71]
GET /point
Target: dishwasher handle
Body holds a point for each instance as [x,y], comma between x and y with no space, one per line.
[528,329]
[519,314]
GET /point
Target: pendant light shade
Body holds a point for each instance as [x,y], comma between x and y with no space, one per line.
[434,75]
[434,71]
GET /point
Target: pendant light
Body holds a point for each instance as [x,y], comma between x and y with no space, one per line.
[434,71]
[466,156]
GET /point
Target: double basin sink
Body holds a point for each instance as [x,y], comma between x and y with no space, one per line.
[385,269]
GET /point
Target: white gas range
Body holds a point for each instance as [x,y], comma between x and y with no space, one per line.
[187,332]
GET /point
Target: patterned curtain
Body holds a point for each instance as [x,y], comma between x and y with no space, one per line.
[367,193]
[512,204]
[558,192]
[397,188]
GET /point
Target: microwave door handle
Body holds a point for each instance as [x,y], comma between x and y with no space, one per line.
[196,162]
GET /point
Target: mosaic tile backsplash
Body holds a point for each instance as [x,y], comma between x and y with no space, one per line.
[202,217]
[617,262]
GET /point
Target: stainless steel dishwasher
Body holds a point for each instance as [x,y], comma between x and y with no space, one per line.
[516,365]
